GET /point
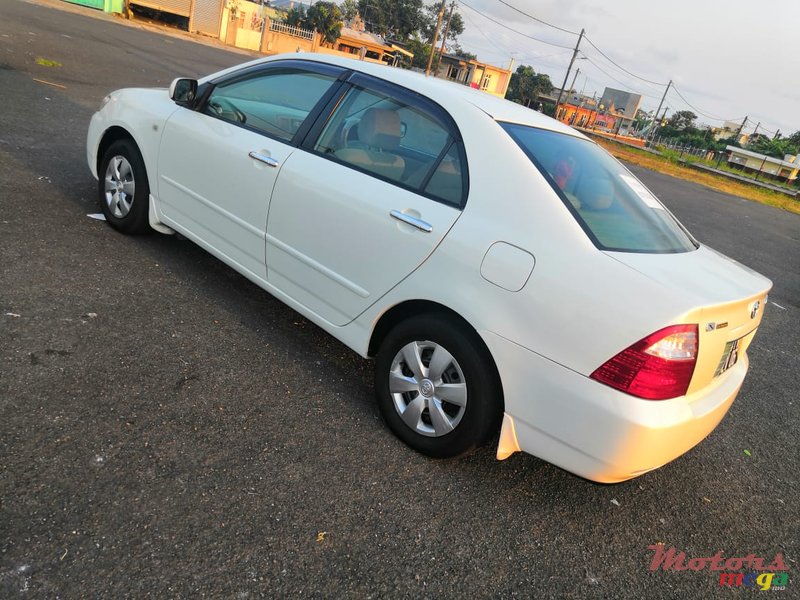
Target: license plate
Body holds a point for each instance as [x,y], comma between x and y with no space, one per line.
[730,356]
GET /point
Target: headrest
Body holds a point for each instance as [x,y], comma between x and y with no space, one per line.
[596,193]
[380,128]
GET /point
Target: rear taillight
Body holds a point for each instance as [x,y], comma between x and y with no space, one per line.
[656,368]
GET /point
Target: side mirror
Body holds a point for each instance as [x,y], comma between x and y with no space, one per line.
[183,90]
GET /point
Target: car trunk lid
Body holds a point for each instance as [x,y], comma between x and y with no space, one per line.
[725,298]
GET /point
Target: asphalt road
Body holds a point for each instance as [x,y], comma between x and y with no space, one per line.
[169,430]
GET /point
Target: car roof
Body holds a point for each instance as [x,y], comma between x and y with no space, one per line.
[441,91]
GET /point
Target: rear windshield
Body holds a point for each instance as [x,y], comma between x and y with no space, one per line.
[613,207]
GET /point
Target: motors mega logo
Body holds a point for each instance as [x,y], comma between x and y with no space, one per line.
[765,576]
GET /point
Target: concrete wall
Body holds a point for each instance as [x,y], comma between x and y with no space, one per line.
[331,51]
[278,43]
[498,79]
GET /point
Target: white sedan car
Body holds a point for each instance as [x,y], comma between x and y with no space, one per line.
[512,280]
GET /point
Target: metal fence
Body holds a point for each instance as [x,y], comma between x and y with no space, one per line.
[682,148]
[291,30]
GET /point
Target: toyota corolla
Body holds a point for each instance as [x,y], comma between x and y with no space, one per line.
[514,283]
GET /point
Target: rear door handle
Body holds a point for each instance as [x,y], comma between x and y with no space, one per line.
[413,221]
[267,160]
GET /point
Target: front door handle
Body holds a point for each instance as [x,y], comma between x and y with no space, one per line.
[267,160]
[413,221]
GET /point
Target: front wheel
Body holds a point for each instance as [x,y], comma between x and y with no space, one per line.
[437,387]
[123,188]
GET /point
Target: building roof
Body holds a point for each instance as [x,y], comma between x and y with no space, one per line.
[363,37]
[625,102]
[770,159]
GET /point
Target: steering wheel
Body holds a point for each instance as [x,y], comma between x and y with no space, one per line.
[224,108]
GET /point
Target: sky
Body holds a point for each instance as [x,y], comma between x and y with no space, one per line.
[728,58]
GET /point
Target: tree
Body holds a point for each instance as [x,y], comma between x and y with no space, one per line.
[295,16]
[795,139]
[459,52]
[421,52]
[349,9]
[326,18]
[682,119]
[526,86]
[774,148]
[431,16]
[397,19]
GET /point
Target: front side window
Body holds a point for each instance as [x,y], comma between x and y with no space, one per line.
[275,103]
[394,140]
[614,208]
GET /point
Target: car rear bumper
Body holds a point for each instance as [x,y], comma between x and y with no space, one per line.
[593,430]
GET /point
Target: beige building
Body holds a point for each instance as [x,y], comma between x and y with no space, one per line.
[255,27]
[786,169]
[476,74]
[727,131]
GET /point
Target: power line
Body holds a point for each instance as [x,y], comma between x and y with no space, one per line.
[697,110]
[530,58]
[541,56]
[625,85]
[488,39]
[535,59]
[609,59]
[768,130]
[530,37]
[538,20]
[603,54]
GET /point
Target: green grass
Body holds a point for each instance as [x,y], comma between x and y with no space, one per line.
[669,165]
[675,157]
[46,62]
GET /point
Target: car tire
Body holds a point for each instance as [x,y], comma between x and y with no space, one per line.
[123,188]
[437,386]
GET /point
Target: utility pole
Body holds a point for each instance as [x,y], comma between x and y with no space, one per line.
[569,68]
[434,37]
[763,162]
[446,31]
[574,79]
[753,135]
[777,135]
[738,133]
[658,110]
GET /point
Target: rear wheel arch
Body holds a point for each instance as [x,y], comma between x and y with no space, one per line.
[437,385]
[413,308]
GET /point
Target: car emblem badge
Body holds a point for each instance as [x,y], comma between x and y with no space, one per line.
[711,326]
[754,311]
[426,388]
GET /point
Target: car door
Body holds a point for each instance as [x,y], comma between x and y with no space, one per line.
[373,190]
[217,165]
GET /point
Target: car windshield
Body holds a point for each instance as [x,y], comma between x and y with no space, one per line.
[615,210]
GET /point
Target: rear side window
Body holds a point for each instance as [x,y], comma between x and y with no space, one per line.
[395,140]
[613,207]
